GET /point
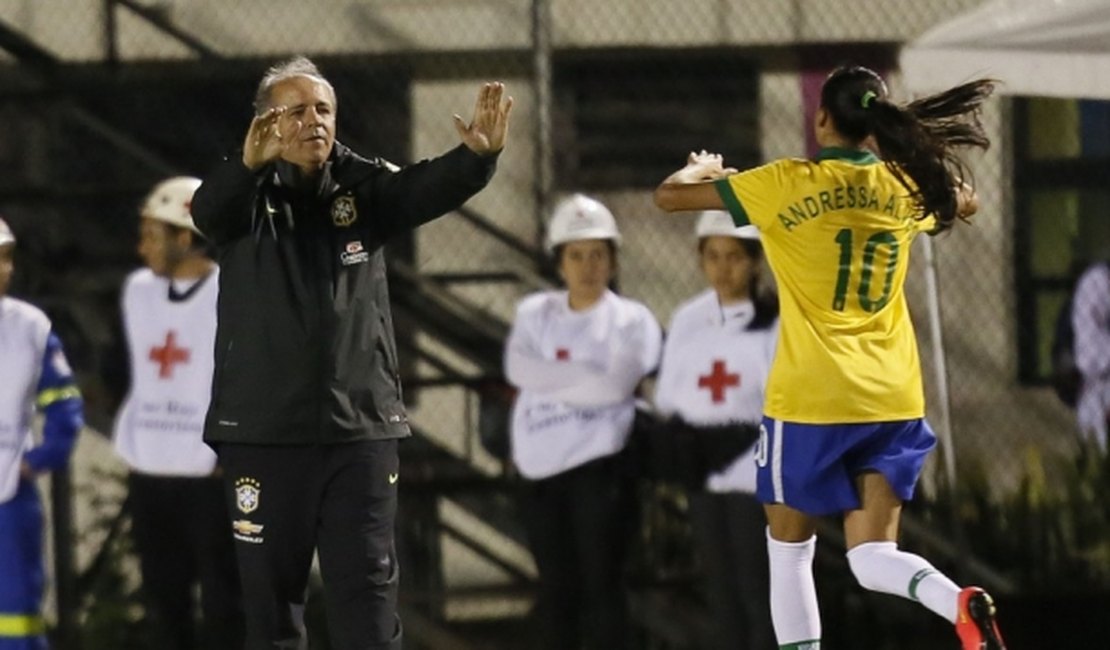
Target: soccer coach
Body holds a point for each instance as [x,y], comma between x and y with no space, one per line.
[306,403]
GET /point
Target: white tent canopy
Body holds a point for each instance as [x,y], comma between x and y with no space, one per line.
[1053,48]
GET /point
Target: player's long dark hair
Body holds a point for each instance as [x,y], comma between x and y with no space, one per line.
[916,140]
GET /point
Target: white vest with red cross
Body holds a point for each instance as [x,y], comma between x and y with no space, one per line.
[160,427]
[589,364]
[23,333]
[713,372]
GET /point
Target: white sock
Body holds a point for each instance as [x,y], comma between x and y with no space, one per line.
[880,566]
[794,610]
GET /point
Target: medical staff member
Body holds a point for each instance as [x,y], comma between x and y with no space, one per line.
[577,356]
[179,520]
[35,376]
[716,357]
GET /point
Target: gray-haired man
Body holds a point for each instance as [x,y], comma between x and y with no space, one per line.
[306,407]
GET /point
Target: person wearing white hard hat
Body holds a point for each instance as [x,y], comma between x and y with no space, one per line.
[35,377]
[176,501]
[577,356]
[716,357]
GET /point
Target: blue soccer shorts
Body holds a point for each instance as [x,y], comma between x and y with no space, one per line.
[812,467]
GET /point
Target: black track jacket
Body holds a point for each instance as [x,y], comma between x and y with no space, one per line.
[304,347]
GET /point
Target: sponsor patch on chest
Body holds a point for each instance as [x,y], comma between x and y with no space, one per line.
[354,253]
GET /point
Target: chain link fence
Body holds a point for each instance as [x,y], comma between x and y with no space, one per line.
[103,98]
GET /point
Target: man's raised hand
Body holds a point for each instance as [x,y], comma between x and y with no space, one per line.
[265,141]
[486,133]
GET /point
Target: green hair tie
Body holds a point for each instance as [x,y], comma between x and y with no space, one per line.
[868,98]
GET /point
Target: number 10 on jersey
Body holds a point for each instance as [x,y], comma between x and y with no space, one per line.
[844,239]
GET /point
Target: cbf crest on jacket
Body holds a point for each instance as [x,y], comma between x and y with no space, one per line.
[305,350]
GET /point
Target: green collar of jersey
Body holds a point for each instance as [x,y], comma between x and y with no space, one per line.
[857,156]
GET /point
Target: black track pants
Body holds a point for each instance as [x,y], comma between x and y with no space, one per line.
[730,531]
[179,526]
[578,528]
[287,501]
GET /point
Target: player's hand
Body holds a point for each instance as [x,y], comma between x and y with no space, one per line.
[266,140]
[486,133]
[701,167]
[690,188]
[967,200]
[26,471]
[705,166]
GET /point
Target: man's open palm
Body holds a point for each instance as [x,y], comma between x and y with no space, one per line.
[486,132]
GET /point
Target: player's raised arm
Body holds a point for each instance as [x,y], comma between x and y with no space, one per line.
[691,187]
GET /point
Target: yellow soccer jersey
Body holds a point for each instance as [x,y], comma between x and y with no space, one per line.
[837,233]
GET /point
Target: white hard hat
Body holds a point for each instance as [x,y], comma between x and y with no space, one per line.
[171,200]
[580,217]
[719,222]
[6,234]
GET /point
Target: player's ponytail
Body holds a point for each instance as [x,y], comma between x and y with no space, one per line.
[917,141]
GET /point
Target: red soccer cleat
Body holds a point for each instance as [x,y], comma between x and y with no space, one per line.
[975,622]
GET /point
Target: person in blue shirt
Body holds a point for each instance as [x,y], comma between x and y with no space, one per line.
[36,377]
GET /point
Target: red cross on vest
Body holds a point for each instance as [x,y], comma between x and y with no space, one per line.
[167,355]
[718,380]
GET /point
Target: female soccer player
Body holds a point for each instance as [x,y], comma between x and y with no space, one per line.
[843,427]
[715,362]
[577,356]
